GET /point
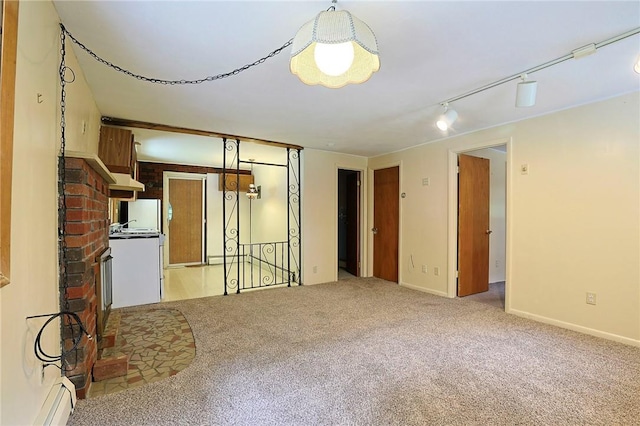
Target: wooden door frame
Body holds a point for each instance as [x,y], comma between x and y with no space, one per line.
[370,216]
[362,215]
[165,209]
[452,239]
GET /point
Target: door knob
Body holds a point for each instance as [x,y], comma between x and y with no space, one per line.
[375,230]
[488,231]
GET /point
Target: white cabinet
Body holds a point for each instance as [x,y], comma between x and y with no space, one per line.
[137,271]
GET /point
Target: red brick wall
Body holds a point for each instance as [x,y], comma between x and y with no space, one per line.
[150,174]
[87,235]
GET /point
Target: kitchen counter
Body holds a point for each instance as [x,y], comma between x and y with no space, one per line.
[135,233]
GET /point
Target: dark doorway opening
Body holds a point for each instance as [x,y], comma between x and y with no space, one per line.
[349,184]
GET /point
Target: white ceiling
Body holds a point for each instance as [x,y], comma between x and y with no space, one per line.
[429,51]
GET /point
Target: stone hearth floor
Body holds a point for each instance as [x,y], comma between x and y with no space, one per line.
[159,342]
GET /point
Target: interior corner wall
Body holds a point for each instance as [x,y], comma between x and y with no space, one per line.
[34,248]
[573,221]
[320,212]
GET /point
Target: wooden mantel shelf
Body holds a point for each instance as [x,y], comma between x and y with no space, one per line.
[96,164]
[126,183]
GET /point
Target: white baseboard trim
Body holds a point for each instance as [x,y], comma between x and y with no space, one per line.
[425,290]
[219,259]
[575,327]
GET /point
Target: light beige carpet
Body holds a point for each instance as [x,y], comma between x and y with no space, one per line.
[365,351]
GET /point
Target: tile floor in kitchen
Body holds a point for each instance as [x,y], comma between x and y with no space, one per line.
[192,282]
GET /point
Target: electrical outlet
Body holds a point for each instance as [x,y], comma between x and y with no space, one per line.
[315,269]
[436,271]
[426,181]
[424,269]
[497,263]
[84,127]
[591,298]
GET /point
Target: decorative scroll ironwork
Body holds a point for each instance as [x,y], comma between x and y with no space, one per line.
[231,214]
[294,216]
[263,264]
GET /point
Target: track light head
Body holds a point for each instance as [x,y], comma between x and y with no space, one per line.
[526,92]
[448,117]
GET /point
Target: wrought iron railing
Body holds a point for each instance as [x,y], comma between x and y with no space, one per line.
[278,262]
[263,265]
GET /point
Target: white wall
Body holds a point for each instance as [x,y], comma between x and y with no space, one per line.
[269,221]
[320,213]
[214,216]
[146,213]
[573,221]
[497,211]
[34,264]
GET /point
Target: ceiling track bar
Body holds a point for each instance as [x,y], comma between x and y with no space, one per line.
[577,53]
[122,122]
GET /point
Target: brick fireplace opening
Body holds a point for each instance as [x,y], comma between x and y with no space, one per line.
[87,238]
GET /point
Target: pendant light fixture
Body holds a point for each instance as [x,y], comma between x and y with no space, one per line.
[448,117]
[334,49]
[253,192]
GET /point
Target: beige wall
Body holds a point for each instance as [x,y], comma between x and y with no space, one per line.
[34,264]
[573,221]
[320,213]
[269,213]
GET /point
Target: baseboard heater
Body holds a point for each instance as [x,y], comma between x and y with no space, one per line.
[59,404]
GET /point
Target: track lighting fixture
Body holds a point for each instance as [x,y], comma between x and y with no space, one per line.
[526,92]
[334,49]
[448,117]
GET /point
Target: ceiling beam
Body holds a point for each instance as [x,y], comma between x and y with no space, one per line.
[122,122]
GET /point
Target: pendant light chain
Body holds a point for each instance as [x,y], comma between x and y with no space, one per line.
[173,82]
[62,197]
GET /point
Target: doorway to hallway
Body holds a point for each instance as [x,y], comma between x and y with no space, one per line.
[349,186]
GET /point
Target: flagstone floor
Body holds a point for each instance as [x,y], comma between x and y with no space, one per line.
[160,344]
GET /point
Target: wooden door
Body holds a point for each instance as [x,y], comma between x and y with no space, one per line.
[473,225]
[386,219]
[186,224]
[353,223]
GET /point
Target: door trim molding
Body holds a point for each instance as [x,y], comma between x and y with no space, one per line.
[452,216]
[369,224]
[166,175]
